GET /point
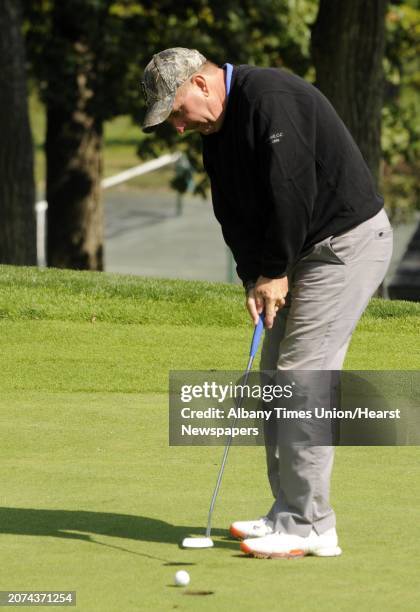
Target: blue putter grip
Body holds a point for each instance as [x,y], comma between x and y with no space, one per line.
[259,328]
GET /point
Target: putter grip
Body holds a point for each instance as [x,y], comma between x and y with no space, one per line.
[257,336]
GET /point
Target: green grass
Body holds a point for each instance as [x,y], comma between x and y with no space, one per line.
[94,499]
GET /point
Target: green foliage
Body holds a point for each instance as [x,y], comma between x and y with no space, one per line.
[67,41]
[400,125]
[111,41]
[264,33]
[108,43]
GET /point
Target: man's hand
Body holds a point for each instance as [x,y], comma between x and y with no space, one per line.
[269,294]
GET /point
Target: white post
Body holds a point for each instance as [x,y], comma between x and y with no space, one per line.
[41,232]
[41,207]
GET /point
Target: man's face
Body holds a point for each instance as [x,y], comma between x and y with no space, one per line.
[196,108]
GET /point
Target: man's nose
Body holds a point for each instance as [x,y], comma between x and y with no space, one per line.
[178,124]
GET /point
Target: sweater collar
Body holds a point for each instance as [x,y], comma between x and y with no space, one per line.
[228,68]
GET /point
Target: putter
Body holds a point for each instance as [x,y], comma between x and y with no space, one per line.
[206,541]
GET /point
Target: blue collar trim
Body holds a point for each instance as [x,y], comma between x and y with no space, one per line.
[228,68]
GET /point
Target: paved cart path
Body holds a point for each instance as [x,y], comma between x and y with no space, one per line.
[144,236]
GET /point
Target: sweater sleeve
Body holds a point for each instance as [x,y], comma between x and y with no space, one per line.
[284,129]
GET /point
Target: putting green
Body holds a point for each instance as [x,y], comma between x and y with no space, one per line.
[94,500]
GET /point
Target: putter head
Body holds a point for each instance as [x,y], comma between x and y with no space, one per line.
[197,543]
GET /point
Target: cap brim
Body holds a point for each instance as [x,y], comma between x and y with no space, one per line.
[157,113]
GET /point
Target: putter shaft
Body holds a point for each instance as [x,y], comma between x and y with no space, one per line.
[226,451]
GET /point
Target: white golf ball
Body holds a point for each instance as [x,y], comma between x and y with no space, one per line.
[182,578]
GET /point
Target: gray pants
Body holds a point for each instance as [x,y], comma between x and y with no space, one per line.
[329,289]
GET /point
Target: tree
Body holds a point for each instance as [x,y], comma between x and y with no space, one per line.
[259,32]
[88,57]
[400,125]
[80,54]
[63,39]
[17,192]
[348,41]
[83,53]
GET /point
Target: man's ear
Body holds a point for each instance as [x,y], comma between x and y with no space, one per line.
[201,82]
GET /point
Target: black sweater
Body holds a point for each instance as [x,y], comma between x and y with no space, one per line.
[284,171]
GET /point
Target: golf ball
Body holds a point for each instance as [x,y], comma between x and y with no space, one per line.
[182,578]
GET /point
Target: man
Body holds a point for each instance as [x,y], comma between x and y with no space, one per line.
[298,208]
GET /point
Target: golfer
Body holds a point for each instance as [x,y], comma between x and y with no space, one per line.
[298,208]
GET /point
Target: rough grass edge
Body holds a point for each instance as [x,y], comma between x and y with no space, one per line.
[30,293]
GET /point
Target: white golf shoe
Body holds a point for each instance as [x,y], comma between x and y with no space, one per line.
[284,545]
[251,529]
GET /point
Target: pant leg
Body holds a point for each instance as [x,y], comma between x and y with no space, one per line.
[329,289]
[269,359]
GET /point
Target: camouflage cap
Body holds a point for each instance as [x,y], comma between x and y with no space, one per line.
[167,71]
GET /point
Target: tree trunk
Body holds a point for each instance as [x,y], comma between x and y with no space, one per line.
[74,168]
[74,152]
[348,40]
[17,190]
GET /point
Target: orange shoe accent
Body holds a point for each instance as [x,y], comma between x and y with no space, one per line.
[291,554]
[236,533]
[245,548]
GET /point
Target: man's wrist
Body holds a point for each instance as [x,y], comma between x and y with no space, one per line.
[249,285]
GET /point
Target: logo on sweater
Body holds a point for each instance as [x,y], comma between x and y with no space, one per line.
[275,137]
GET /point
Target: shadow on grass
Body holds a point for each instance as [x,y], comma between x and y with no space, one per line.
[82,525]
